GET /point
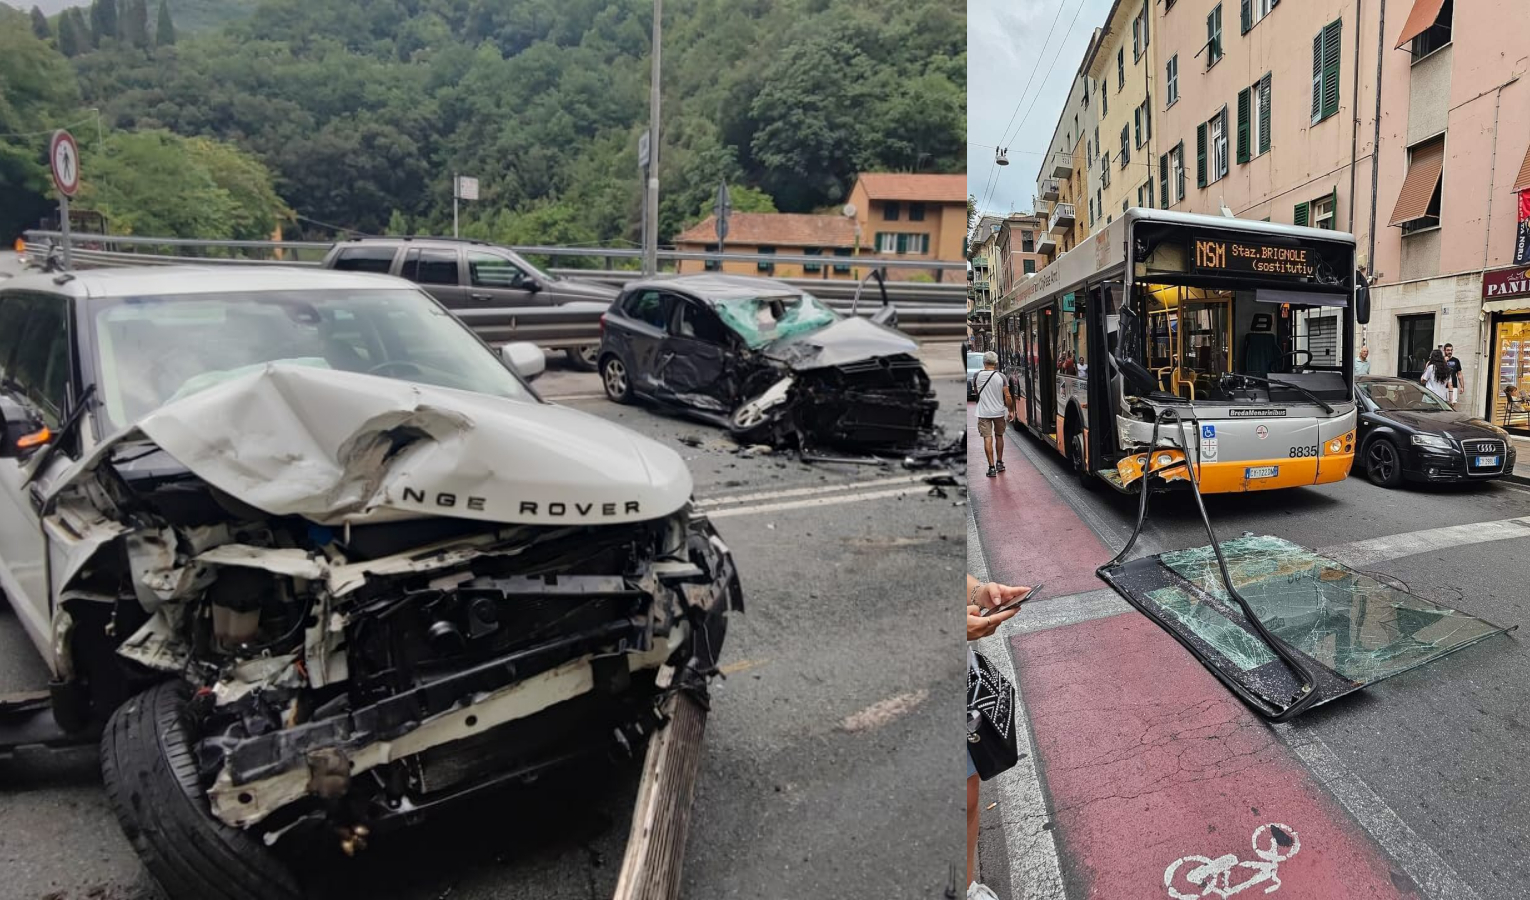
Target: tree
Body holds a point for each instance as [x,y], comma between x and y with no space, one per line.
[164,29]
[135,23]
[745,199]
[37,91]
[70,42]
[103,21]
[40,25]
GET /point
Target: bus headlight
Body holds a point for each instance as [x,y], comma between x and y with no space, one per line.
[1344,443]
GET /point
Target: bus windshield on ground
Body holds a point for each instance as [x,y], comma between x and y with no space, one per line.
[1242,329]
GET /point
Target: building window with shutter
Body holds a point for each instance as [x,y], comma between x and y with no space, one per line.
[1325,71]
[1323,212]
[1418,204]
[1177,164]
[1254,12]
[1105,170]
[1027,242]
[916,212]
[812,266]
[1254,120]
[1218,126]
[765,265]
[1163,181]
[887,242]
[890,212]
[1171,80]
[1137,128]
[1126,145]
[1028,266]
[1200,155]
[1213,45]
[1428,27]
[1137,38]
[842,268]
[1120,68]
[712,265]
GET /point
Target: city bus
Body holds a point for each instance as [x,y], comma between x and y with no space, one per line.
[1243,329]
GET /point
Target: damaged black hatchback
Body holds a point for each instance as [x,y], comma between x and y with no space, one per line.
[771,363]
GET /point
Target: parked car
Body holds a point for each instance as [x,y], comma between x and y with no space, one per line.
[313,561]
[477,281]
[974,366]
[768,361]
[1408,433]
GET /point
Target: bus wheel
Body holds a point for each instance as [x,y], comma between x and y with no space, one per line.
[1076,457]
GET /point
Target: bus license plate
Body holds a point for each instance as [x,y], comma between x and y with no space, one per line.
[1483,461]
[1261,471]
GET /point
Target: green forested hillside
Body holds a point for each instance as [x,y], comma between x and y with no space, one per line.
[362,109]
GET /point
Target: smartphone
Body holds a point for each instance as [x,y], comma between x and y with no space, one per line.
[1031,595]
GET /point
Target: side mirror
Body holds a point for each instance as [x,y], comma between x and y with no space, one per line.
[21,434]
[526,359]
[1362,298]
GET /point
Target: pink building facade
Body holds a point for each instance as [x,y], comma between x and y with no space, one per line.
[1269,109]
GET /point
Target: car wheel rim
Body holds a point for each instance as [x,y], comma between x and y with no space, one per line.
[588,352]
[1382,461]
[616,378]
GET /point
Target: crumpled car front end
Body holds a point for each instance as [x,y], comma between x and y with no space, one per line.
[385,597]
[855,385]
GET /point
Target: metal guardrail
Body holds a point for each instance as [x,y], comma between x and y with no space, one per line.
[925,310]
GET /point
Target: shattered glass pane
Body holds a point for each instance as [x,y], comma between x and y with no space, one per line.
[1353,624]
[761,320]
[1355,629]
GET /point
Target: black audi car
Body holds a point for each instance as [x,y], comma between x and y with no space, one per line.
[768,361]
[1407,432]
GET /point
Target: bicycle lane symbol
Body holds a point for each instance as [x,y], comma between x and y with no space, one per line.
[1227,875]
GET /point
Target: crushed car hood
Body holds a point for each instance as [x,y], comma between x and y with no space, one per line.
[340,447]
[851,339]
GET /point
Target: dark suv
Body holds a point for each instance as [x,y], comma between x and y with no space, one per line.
[479,282]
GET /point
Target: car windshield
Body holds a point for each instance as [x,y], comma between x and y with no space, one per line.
[151,350]
[1402,395]
[974,361]
[760,320]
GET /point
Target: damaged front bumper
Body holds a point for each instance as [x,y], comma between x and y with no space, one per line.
[879,405]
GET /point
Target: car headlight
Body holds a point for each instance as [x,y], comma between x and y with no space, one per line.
[1432,440]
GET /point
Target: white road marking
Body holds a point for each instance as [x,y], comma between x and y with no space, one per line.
[1215,876]
[1433,875]
[1031,848]
[883,711]
[715,500]
[1357,554]
[813,501]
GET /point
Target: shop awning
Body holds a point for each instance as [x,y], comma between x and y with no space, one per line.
[1423,15]
[1423,178]
[1522,181]
[1507,304]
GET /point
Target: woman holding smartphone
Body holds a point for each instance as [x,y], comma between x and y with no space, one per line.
[989,605]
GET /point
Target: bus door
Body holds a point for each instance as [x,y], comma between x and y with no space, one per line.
[1046,370]
[1028,333]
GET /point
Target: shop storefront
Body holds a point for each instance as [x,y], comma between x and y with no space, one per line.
[1506,297]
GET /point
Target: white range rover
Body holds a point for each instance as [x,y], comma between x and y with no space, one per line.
[311,560]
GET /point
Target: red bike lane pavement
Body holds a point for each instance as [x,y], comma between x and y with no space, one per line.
[1159,782]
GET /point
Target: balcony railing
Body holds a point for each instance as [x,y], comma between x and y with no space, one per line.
[1045,243]
[1062,165]
[1050,188]
[1062,218]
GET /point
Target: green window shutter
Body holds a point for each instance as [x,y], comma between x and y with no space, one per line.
[1331,67]
[1300,216]
[1200,155]
[1334,202]
[1163,181]
[902,243]
[1264,113]
[1248,15]
[1317,78]
[1243,133]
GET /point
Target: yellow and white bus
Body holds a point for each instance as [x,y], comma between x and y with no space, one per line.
[1243,329]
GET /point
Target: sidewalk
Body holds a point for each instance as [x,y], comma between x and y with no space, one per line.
[1521,472]
[1144,776]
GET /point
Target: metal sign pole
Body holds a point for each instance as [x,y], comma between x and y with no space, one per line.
[63,227]
[455,193]
[651,214]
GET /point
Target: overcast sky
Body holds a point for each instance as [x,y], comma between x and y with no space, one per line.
[1006,40]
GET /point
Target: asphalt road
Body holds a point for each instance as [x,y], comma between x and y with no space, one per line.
[1443,745]
[830,766]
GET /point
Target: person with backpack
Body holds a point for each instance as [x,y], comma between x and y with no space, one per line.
[994,410]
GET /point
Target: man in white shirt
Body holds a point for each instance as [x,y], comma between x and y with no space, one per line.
[994,409]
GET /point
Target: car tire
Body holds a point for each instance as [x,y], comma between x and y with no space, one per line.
[150,771]
[584,357]
[1383,463]
[616,379]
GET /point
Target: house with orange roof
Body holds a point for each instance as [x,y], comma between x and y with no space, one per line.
[902,215]
[774,234]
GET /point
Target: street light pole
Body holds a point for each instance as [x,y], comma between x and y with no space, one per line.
[651,214]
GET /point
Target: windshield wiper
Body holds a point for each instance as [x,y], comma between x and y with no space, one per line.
[1229,376]
[71,422]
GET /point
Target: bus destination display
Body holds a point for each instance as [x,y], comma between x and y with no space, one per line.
[1258,259]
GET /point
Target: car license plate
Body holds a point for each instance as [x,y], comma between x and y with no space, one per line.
[1487,461]
[1261,471]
